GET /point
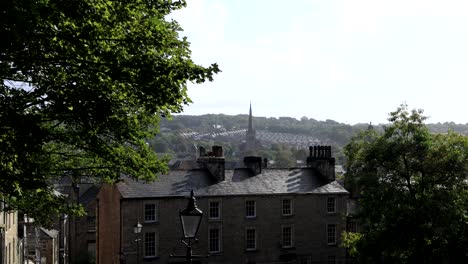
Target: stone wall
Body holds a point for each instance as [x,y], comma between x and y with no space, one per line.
[309,222]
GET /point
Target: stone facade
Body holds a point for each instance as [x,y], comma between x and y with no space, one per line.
[82,239]
[42,244]
[77,234]
[298,216]
[10,251]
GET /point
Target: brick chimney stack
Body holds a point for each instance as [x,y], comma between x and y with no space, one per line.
[321,159]
[213,161]
[254,164]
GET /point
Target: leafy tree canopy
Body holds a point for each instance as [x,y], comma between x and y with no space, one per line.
[413,192]
[84,82]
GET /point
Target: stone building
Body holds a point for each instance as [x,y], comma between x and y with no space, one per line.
[42,244]
[83,229]
[10,250]
[78,233]
[252,214]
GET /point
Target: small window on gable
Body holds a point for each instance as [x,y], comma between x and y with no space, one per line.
[331,205]
[287,207]
[150,212]
[214,210]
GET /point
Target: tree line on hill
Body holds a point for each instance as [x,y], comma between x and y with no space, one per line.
[329,132]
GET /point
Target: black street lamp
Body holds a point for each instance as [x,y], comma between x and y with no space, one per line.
[190,219]
[137,230]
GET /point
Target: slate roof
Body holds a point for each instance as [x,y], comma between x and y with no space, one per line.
[89,195]
[237,182]
[52,233]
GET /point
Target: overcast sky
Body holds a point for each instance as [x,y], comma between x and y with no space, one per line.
[353,61]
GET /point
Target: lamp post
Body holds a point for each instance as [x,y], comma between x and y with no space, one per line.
[137,230]
[190,218]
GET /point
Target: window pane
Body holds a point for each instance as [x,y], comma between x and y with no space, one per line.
[150,212]
[331,234]
[91,251]
[250,239]
[287,207]
[214,210]
[287,236]
[250,208]
[150,244]
[91,223]
[331,205]
[352,227]
[214,239]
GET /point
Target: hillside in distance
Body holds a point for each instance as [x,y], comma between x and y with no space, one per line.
[279,138]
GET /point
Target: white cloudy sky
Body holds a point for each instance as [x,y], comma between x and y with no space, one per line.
[352,61]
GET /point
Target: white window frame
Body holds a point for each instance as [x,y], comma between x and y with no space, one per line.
[291,236]
[219,239]
[91,223]
[247,206]
[290,207]
[155,241]
[329,228]
[247,248]
[219,209]
[331,204]
[155,212]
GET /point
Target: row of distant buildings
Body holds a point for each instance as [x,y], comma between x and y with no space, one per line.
[70,239]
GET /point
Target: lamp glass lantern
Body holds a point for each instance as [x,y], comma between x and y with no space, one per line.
[190,218]
[137,228]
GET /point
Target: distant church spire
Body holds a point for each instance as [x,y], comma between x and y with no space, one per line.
[250,118]
[250,134]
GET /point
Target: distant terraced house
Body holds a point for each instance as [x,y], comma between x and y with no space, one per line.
[252,214]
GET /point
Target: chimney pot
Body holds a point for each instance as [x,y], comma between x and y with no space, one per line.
[213,161]
[322,160]
[202,151]
[254,164]
[217,151]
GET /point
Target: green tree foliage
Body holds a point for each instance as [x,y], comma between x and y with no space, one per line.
[84,82]
[413,188]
